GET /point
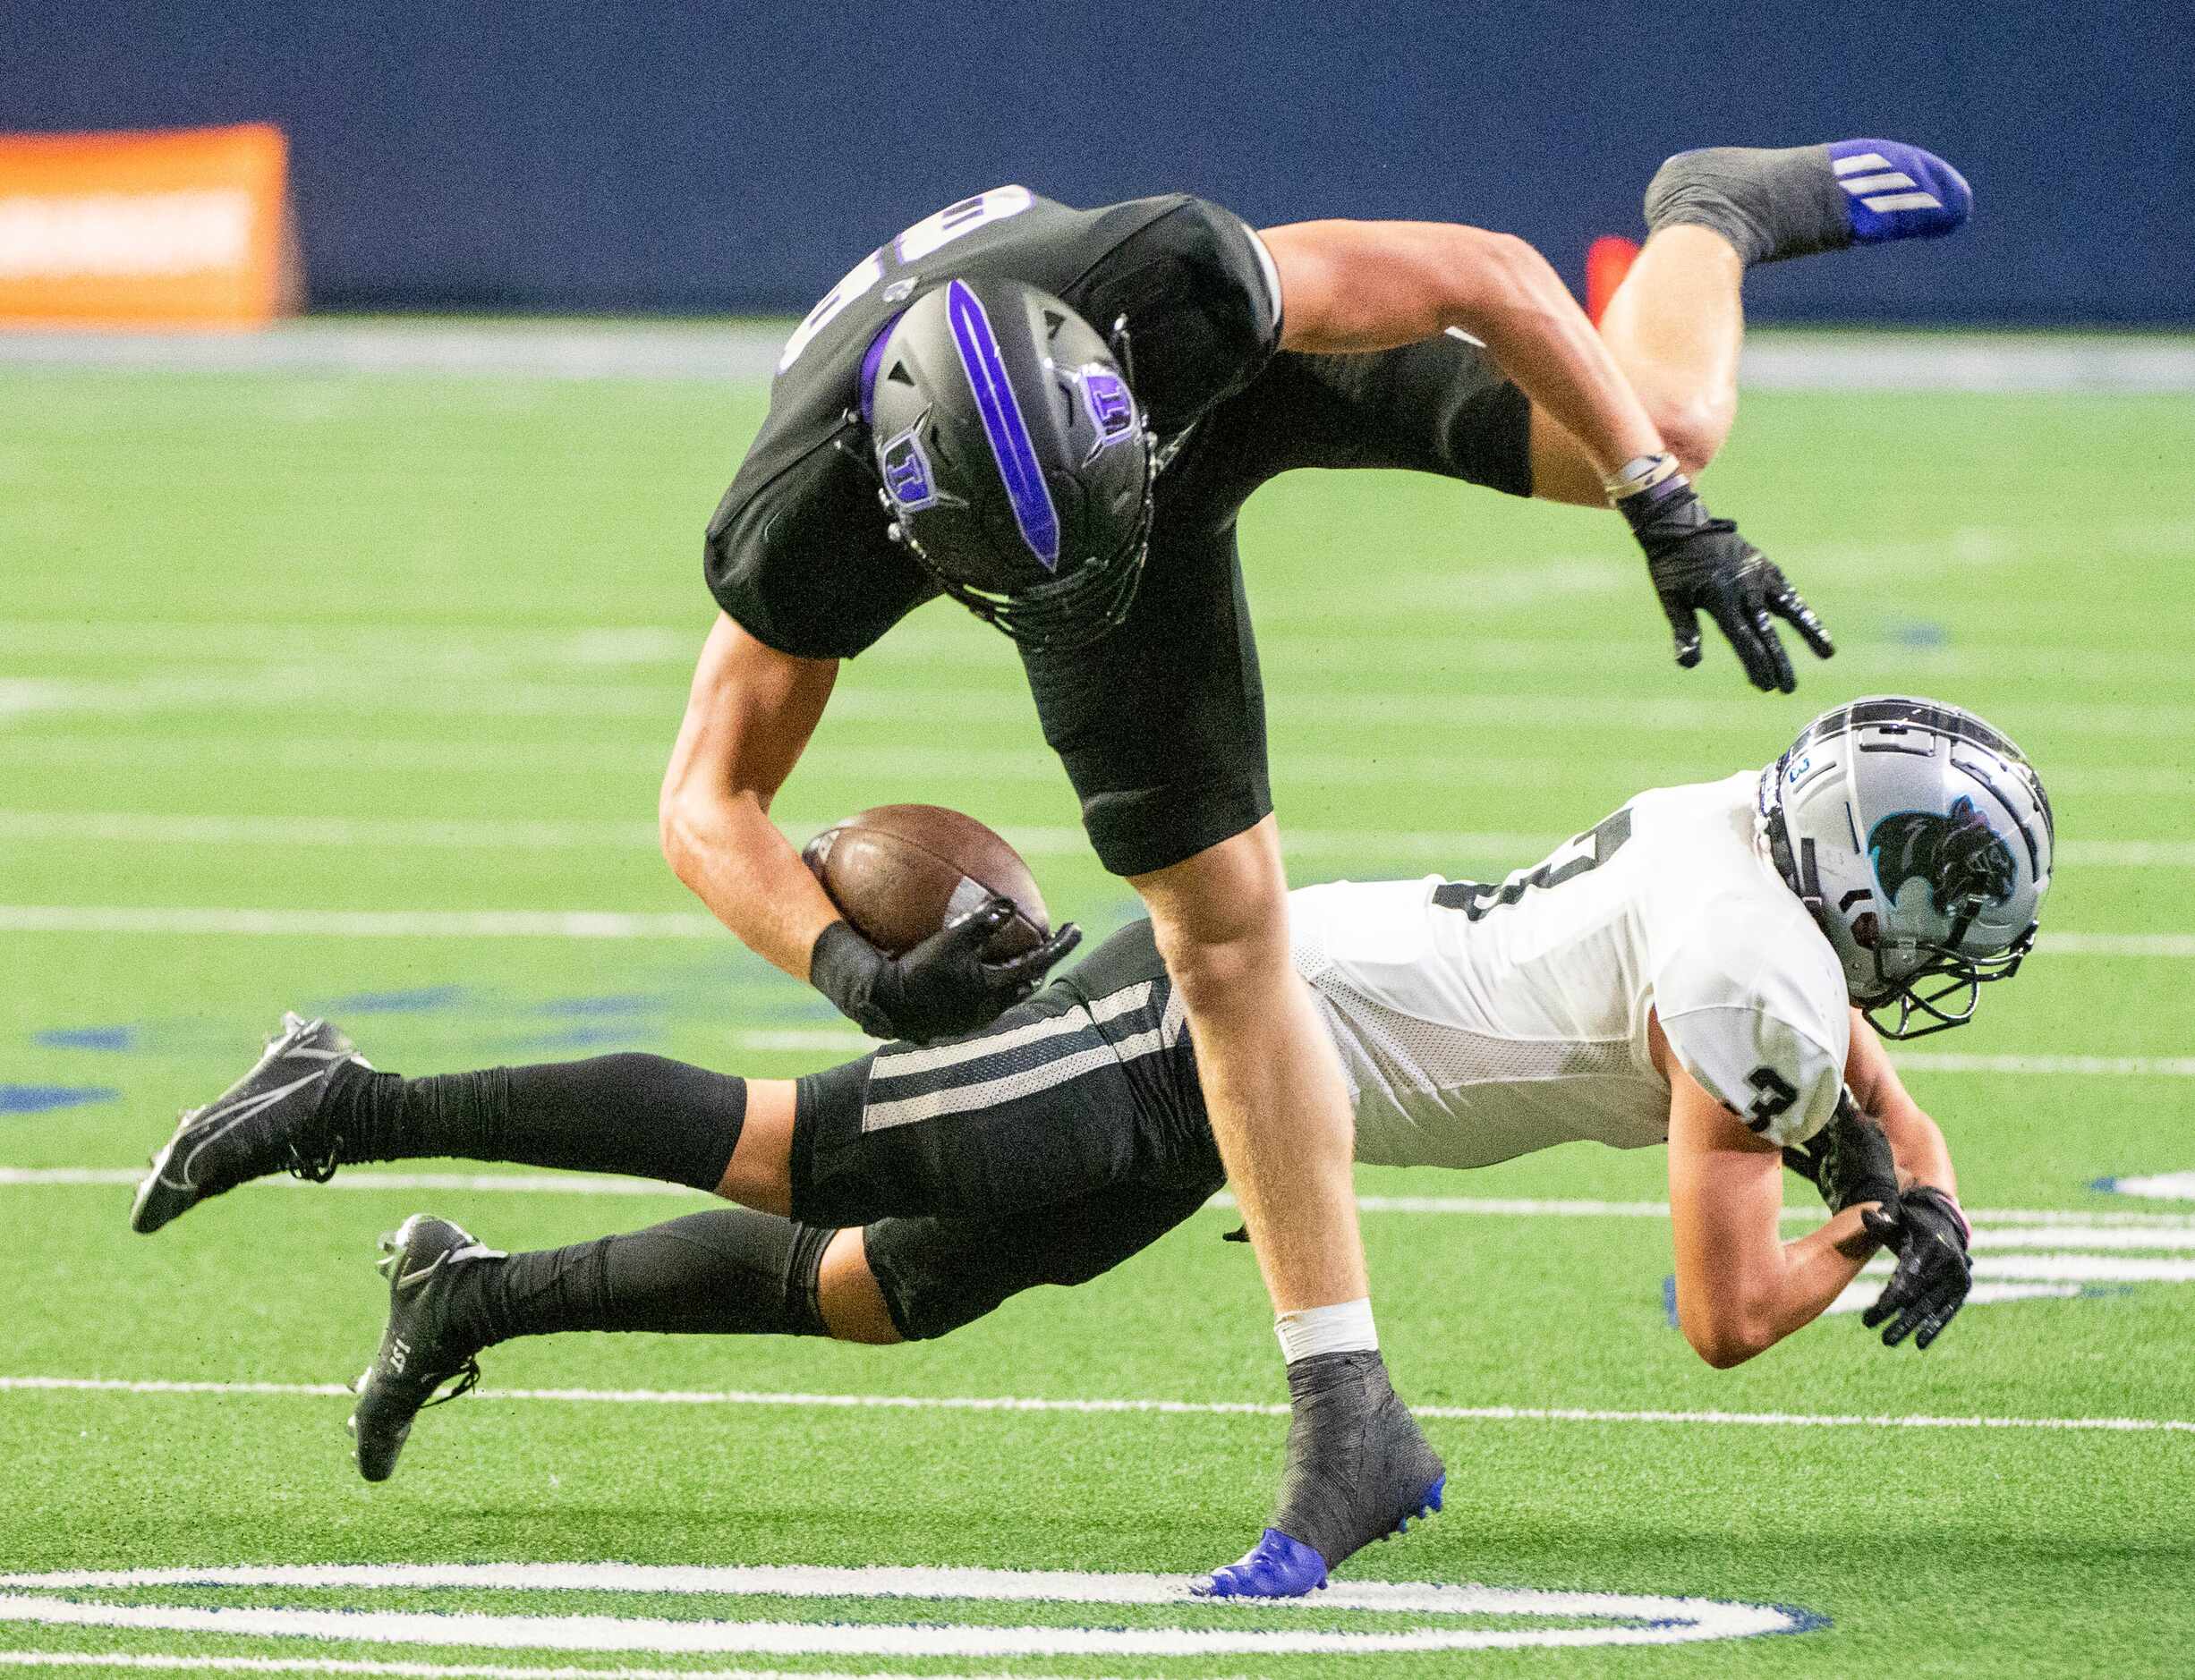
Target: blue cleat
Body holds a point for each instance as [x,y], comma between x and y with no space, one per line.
[1276,1568]
[1799,200]
[1899,192]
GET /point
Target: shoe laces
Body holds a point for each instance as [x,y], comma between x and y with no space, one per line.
[318,1167]
[468,1376]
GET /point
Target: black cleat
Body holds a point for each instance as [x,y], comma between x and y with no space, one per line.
[1359,1469]
[262,1124]
[420,1350]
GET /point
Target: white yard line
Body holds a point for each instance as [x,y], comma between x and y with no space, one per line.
[1996,1227]
[2079,1066]
[1623,771]
[171,828]
[505,652]
[202,921]
[2157,1186]
[295,690]
[468,1184]
[1106,1407]
[744,352]
[170,1662]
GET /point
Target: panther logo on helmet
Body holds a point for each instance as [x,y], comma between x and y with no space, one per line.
[1964,860]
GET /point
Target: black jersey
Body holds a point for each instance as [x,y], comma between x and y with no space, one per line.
[797,551]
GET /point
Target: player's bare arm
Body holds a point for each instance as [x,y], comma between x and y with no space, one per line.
[1352,287]
[1916,1140]
[1740,1288]
[749,716]
[1926,1227]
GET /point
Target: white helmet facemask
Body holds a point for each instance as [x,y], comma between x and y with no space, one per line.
[1922,841]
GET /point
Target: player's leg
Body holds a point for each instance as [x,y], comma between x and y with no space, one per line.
[1357,1466]
[1114,1076]
[1272,1083]
[312,1104]
[1676,324]
[1161,726]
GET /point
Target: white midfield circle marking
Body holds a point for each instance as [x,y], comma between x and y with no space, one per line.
[1607,1618]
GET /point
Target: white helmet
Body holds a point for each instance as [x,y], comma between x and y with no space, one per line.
[1921,840]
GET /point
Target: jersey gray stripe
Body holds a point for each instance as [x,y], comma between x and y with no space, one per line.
[895,1064]
[1029,1082]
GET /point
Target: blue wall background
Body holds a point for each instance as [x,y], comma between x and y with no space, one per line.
[689,156]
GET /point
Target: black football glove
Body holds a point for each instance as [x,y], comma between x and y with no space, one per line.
[1933,1274]
[1701,565]
[942,986]
[1848,1160]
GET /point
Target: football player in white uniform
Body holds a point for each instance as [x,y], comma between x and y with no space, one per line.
[1700,969]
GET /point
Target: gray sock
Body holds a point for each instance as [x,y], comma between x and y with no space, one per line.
[1770,204]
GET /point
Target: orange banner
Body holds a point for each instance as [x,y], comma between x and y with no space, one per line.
[184,228]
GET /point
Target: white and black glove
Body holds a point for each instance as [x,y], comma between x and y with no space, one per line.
[942,987]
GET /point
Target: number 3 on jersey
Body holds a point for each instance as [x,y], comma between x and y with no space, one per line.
[927,236]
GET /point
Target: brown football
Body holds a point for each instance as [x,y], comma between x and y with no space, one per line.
[901,872]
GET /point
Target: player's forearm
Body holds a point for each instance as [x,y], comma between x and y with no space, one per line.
[725,847]
[1818,1268]
[1519,308]
[1745,1318]
[1918,1143]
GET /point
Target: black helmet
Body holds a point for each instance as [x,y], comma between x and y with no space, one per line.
[1017,465]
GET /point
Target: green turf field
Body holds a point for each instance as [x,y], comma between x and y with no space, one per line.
[341,692]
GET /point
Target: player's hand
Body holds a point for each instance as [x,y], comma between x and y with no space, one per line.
[941,988]
[1848,1160]
[1701,565]
[1933,1274]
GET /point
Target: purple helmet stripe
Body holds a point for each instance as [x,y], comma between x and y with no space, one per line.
[872,363]
[1003,424]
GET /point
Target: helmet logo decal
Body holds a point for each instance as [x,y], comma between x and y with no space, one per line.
[906,473]
[1004,424]
[1964,860]
[1112,410]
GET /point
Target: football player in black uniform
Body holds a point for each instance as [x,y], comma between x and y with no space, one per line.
[1054,415]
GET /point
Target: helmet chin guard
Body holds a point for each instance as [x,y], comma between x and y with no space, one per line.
[1921,841]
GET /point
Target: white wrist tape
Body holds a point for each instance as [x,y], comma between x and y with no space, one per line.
[1345,1328]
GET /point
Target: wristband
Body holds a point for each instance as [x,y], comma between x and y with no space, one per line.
[1958,1213]
[843,967]
[1640,473]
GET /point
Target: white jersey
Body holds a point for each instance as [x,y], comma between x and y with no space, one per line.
[1477,1023]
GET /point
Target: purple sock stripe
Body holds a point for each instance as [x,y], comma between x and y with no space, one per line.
[1003,424]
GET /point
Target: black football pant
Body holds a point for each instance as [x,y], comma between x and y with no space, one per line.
[1047,1149]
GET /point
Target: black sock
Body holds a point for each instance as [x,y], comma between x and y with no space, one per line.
[639,1114]
[727,1271]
